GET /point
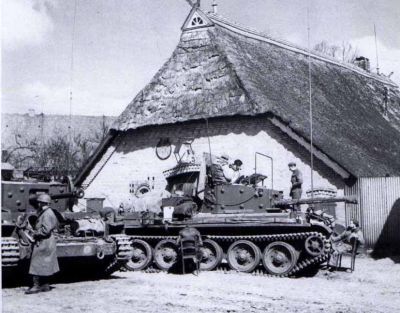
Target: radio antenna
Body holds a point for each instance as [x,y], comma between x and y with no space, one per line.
[70,90]
[311,107]
[208,138]
[376,51]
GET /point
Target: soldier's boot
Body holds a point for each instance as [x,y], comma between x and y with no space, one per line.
[45,285]
[36,286]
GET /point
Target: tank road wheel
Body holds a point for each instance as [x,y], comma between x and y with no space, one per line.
[243,256]
[141,256]
[315,245]
[279,258]
[165,254]
[211,255]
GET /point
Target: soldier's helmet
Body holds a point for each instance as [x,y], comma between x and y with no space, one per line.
[44,199]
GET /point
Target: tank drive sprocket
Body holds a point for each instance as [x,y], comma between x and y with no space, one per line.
[316,244]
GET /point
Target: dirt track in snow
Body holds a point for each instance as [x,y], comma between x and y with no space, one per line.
[373,287]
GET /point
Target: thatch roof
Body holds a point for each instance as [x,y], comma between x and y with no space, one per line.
[226,70]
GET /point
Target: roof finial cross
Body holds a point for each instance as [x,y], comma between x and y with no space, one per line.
[194,4]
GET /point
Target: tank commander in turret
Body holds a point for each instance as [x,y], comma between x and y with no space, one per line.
[44,261]
[297,181]
[221,173]
[224,173]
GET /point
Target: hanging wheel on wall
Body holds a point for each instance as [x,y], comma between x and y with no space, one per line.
[163,149]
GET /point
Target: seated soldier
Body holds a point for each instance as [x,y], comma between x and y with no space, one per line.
[344,242]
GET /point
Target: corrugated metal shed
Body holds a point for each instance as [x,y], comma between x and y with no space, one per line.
[378,210]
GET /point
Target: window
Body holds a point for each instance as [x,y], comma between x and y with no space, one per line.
[197,21]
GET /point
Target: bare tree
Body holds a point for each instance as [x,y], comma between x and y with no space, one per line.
[58,152]
[101,132]
[345,52]
[23,153]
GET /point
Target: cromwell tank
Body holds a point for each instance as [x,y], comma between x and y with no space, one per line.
[245,225]
[82,239]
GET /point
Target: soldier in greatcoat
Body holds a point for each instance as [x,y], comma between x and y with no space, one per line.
[44,261]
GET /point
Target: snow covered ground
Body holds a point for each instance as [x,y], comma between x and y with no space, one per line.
[373,287]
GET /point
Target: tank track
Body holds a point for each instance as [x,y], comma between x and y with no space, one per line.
[302,265]
[123,251]
[123,246]
[9,251]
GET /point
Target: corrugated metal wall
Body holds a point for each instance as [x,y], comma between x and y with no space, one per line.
[378,209]
[353,210]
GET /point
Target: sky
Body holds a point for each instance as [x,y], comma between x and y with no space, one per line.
[117,46]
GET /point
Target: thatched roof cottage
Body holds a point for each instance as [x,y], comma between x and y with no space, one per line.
[244,92]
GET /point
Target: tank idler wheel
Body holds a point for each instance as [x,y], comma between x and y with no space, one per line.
[142,255]
[279,258]
[165,254]
[243,256]
[211,255]
[315,245]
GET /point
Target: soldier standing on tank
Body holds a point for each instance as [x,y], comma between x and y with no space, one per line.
[44,261]
[297,181]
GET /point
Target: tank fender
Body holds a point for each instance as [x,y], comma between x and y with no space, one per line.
[324,228]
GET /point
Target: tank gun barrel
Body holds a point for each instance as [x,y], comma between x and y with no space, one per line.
[77,193]
[352,200]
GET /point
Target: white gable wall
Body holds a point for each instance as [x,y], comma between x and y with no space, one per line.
[135,159]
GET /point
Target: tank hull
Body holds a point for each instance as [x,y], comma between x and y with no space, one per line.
[78,258]
[81,247]
[252,235]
